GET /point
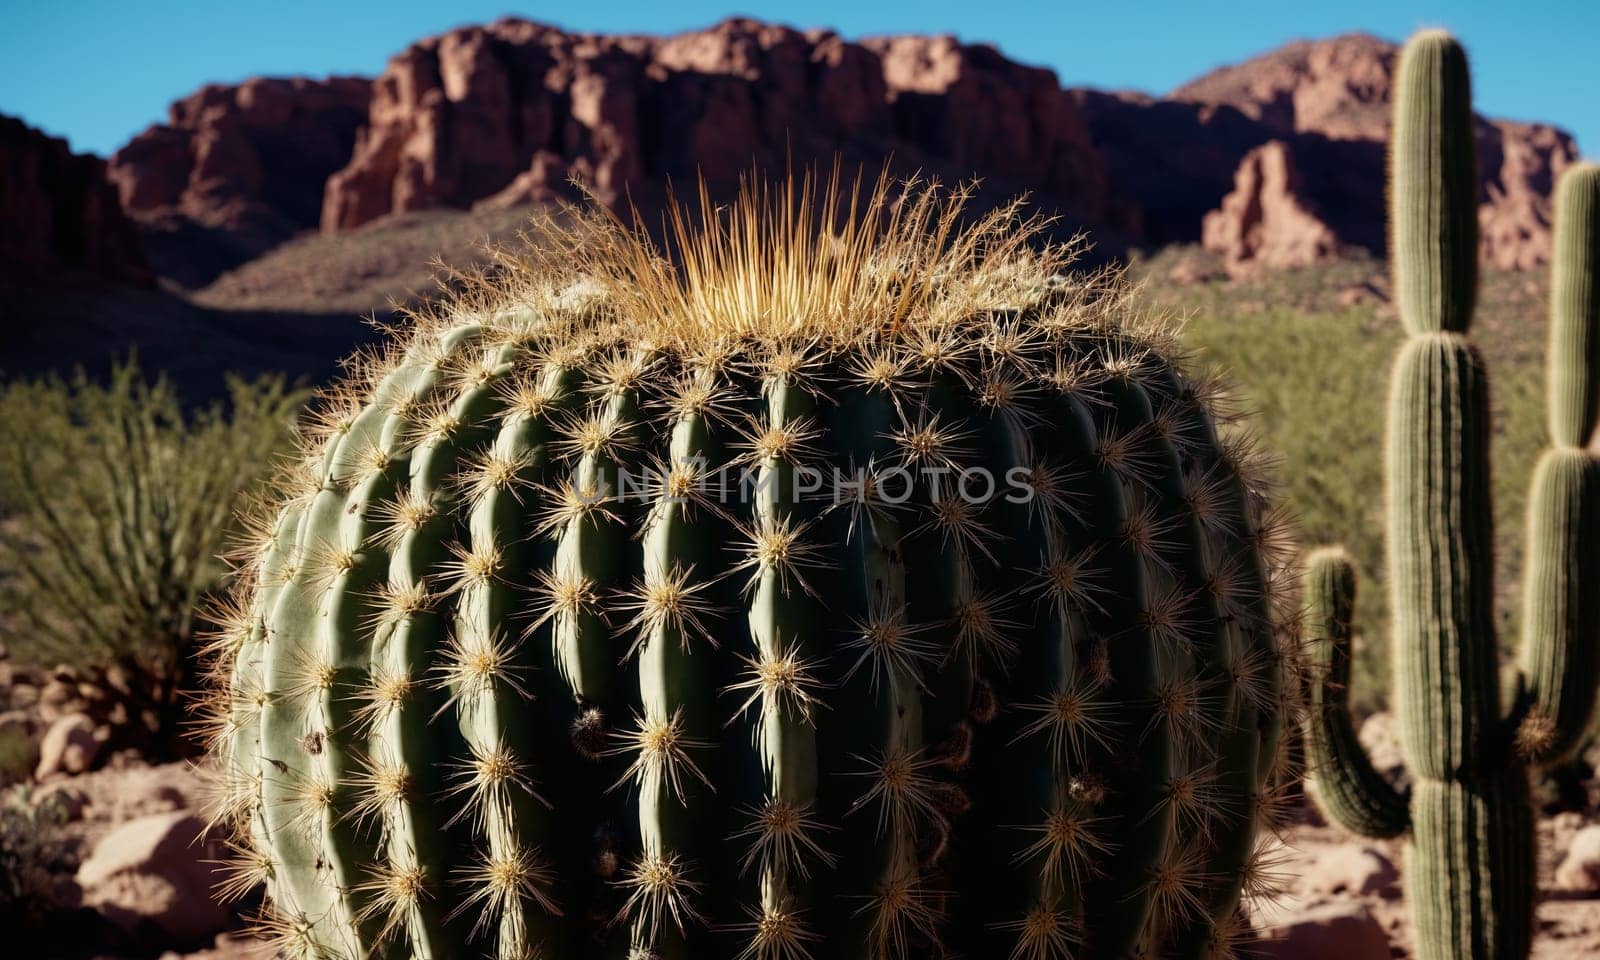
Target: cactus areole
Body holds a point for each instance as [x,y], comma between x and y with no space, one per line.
[840,577]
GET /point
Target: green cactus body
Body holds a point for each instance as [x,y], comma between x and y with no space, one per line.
[1470,869]
[677,656]
[691,614]
[1560,616]
[1349,789]
[1433,187]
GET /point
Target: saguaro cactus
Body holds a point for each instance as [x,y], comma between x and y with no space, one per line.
[855,585]
[1471,846]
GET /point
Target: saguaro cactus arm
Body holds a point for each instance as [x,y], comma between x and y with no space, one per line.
[1574,360]
[1349,789]
[1561,610]
[1433,187]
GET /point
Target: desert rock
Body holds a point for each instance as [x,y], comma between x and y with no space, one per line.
[1337,87]
[69,746]
[1519,164]
[505,113]
[237,169]
[59,697]
[229,947]
[1580,868]
[1332,96]
[260,150]
[150,877]
[1266,222]
[1352,869]
[1380,737]
[23,696]
[1343,930]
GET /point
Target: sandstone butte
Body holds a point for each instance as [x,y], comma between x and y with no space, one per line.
[1320,181]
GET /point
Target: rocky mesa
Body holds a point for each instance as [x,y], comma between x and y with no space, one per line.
[507,113]
[237,169]
[1274,162]
[1326,107]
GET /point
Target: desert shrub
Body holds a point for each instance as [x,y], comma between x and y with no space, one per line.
[16,756]
[36,858]
[117,504]
[1318,382]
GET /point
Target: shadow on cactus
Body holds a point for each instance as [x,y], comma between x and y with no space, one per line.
[1468,738]
[115,508]
[841,577]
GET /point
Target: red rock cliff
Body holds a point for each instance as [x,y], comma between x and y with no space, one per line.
[258,153]
[1328,99]
[507,112]
[58,212]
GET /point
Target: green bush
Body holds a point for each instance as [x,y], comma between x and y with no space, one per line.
[16,756]
[35,858]
[1317,382]
[114,508]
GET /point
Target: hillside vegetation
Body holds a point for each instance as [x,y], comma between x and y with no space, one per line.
[1309,350]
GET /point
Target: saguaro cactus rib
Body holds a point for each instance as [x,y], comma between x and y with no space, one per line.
[637,676]
[1471,843]
[1470,868]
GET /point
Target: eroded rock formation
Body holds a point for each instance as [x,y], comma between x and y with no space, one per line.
[1265,222]
[237,169]
[58,213]
[508,112]
[1324,97]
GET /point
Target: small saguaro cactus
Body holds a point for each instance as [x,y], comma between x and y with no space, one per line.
[1470,866]
[835,579]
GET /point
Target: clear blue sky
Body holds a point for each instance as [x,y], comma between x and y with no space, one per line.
[96,72]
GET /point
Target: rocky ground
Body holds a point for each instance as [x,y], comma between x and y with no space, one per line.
[141,861]
[1344,902]
[146,873]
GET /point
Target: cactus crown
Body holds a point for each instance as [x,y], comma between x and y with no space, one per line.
[825,264]
[842,577]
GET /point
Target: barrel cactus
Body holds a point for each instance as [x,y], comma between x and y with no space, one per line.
[841,576]
[1467,741]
